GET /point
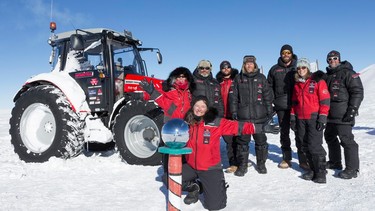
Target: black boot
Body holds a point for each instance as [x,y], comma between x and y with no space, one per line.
[243,156]
[319,169]
[309,175]
[348,174]
[261,153]
[302,160]
[193,194]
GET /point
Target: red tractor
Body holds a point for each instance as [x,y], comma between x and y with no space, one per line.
[92,95]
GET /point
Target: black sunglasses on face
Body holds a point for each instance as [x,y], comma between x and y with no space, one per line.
[204,68]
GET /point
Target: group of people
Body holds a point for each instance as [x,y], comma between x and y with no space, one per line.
[240,104]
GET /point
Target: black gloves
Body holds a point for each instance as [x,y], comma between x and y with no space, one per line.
[235,116]
[349,115]
[320,126]
[148,87]
[270,127]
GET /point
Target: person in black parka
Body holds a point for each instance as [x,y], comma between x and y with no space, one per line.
[346,91]
[281,80]
[250,99]
[207,85]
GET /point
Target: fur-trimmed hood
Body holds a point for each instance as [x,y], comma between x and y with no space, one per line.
[220,76]
[318,75]
[168,84]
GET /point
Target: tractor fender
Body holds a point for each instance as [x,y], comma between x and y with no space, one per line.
[63,81]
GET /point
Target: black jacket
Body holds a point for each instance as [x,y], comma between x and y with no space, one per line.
[209,87]
[251,97]
[346,91]
[281,80]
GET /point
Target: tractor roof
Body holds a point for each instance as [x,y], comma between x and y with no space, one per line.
[66,35]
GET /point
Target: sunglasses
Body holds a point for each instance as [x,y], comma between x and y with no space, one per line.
[286,53]
[332,58]
[303,67]
[226,67]
[181,76]
[205,68]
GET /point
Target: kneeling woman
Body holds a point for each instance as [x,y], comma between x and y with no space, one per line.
[204,163]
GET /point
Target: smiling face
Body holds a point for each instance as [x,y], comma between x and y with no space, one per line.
[302,71]
[286,56]
[200,108]
[333,61]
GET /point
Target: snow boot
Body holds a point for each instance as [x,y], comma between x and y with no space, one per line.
[302,160]
[286,162]
[348,174]
[231,169]
[243,156]
[319,169]
[193,194]
[309,175]
[261,153]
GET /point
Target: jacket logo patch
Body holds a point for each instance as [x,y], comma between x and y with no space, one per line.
[206,136]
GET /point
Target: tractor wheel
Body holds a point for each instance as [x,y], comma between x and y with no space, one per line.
[43,125]
[137,133]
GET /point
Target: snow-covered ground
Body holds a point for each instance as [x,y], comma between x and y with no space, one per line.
[103,182]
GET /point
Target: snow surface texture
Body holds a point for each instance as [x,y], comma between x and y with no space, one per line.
[103,182]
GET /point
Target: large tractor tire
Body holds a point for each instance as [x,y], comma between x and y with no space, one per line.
[137,133]
[43,125]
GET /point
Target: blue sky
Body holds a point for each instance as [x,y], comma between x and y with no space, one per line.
[188,31]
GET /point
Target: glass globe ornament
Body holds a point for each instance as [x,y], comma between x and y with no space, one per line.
[175,133]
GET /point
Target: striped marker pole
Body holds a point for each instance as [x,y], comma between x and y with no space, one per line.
[174,182]
[174,176]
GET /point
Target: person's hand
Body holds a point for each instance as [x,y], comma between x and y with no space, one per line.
[349,115]
[293,125]
[269,127]
[234,116]
[320,126]
[148,87]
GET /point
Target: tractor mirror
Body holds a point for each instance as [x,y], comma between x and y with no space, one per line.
[160,57]
[76,42]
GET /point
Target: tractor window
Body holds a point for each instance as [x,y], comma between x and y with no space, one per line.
[125,60]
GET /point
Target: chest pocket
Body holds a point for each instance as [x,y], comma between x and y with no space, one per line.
[337,89]
[259,92]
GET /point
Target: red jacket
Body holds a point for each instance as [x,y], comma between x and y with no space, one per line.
[204,140]
[225,86]
[310,100]
[175,103]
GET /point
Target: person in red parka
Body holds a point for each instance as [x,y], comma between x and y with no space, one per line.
[310,107]
[225,77]
[204,163]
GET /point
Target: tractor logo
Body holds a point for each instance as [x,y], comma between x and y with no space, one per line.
[94,81]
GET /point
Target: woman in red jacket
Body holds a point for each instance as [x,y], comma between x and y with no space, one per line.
[204,163]
[176,95]
[310,106]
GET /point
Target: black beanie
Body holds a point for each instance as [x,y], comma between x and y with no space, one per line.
[286,47]
[225,63]
[333,53]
